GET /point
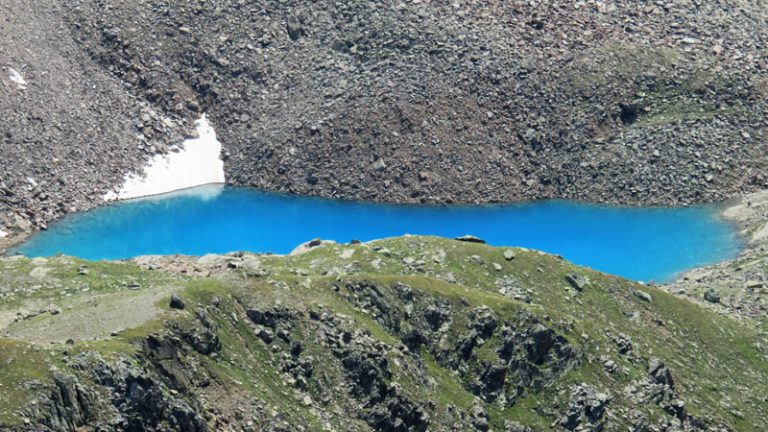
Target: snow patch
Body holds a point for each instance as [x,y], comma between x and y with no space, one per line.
[206,192]
[16,77]
[197,162]
[3,234]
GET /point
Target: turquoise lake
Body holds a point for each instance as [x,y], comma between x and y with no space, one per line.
[638,243]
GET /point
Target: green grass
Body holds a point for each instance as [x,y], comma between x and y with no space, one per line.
[720,364]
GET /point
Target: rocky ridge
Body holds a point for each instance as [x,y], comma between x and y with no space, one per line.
[405,334]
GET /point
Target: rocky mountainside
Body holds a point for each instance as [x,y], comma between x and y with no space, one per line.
[421,101]
[427,101]
[68,128]
[405,334]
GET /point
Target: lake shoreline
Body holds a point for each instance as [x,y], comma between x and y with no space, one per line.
[553,226]
[688,284]
[734,286]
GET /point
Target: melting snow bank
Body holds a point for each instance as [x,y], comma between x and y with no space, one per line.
[206,192]
[197,162]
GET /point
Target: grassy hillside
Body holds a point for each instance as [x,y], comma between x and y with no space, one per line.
[403,334]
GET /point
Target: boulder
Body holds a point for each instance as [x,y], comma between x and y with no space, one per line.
[586,410]
[307,246]
[659,373]
[177,302]
[712,296]
[577,281]
[644,296]
[294,27]
[470,239]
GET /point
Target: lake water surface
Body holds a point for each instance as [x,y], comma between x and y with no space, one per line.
[638,243]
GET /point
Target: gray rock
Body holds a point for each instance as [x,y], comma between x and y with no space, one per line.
[642,295]
[513,426]
[294,27]
[659,373]
[712,296]
[587,409]
[307,246]
[577,281]
[610,366]
[470,239]
[177,302]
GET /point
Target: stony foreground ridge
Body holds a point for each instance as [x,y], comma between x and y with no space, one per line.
[420,101]
[405,334]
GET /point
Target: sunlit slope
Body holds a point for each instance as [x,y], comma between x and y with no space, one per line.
[410,333]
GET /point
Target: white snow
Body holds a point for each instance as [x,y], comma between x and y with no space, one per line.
[197,162]
[3,234]
[203,193]
[16,77]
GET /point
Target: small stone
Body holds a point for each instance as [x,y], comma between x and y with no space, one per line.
[294,27]
[469,239]
[644,296]
[379,165]
[497,266]
[509,254]
[577,281]
[712,296]
[177,302]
